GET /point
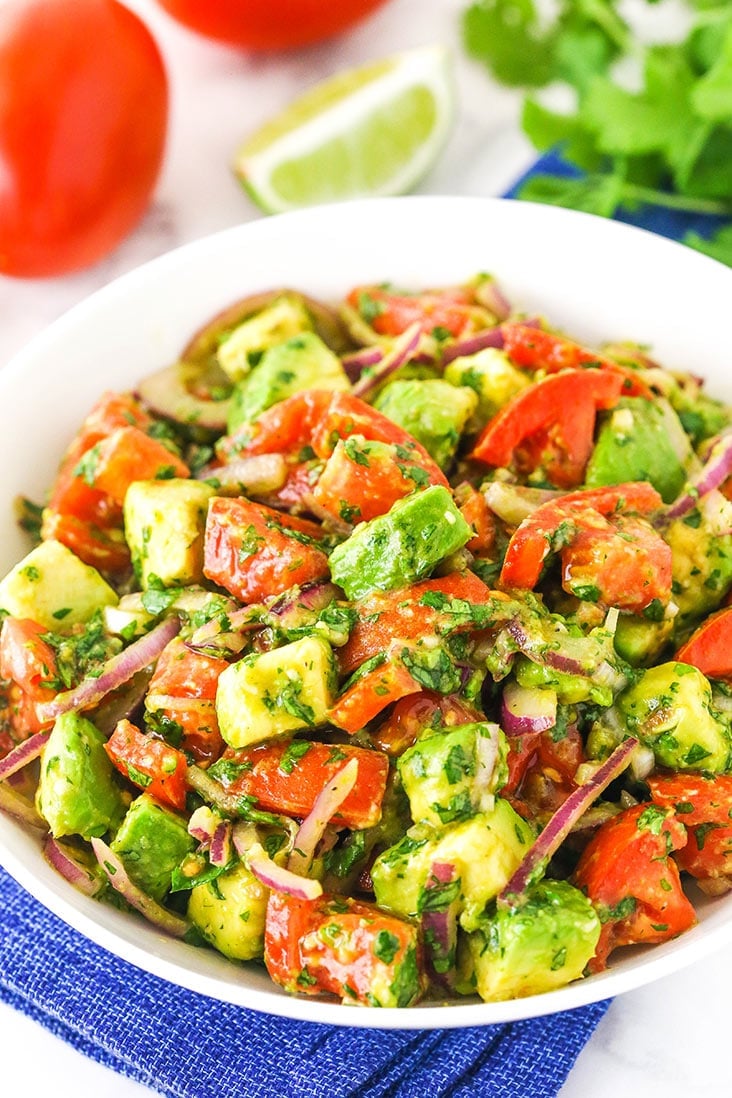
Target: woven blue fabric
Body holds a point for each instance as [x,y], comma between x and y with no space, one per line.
[190,1046]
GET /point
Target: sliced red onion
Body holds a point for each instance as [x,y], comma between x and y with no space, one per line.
[489,294]
[220,850]
[356,362]
[121,704]
[23,754]
[513,503]
[527,709]
[717,468]
[21,809]
[399,353]
[440,925]
[115,672]
[562,822]
[312,596]
[167,394]
[69,868]
[228,634]
[154,912]
[245,835]
[327,803]
[256,475]
[212,791]
[486,752]
[202,824]
[537,649]
[470,345]
[283,880]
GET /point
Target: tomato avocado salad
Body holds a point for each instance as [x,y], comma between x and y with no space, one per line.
[386,643]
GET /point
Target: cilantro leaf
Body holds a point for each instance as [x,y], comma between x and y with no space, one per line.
[718,246]
[506,36]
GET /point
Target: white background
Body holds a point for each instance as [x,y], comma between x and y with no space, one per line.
[665,1041]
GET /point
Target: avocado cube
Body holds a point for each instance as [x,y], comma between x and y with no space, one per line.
[283,318]
[165,522]
[641,440]
[77,793]
[152,841]
[302,362]
[701,562]
[230,913]
[54,588]
[433,411]
[542,944]
[402,546]
[270,693]
[444,775]
[491,375]
[485,849]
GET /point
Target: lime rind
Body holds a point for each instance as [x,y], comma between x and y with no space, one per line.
[380,138]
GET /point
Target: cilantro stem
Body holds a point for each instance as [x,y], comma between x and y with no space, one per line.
[634,193]
[613,26]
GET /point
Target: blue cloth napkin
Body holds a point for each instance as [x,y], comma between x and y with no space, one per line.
[190,1046]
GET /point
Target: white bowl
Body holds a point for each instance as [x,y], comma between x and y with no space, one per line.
[599,280]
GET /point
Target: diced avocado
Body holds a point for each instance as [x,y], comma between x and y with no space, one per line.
[302,362]
[53,587]
[268,693]
[454,773]
[402,546]
[491,374]
[485,849]
[152,841]
[669,708]
[701,416]
[641,440]
[434,412]
[230,913]
[701,562]
[571,689]
[540,945]
[165,521]
[638,640]
[77,793]
[283,318]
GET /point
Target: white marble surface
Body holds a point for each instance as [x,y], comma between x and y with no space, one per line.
[664,1041]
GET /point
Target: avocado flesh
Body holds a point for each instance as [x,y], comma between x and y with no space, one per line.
[152,841]
[77,794]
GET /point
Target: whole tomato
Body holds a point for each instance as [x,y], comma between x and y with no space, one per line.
[269,24]
[83,117]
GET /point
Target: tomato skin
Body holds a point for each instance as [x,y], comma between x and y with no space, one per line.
[83,117]
[704,806]
[370,694]
[128,454]
[256,25]
[710,647]
[139,756]
[627,861]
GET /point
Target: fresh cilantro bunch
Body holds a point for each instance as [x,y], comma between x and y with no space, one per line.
[650,124]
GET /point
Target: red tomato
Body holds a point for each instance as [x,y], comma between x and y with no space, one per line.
[279,24]
[183,691]
[412,715]
[391,314]
[363,701]
[128,454]
[151,764]
[710,647]
[477,514]
[704,806]
[83,115]
[29,663]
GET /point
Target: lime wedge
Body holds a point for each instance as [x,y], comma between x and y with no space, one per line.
[373,130]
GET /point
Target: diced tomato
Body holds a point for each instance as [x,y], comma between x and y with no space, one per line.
[555,414]
[628,875]
[255,552]
[371,693]
[535,349]
[359,483]
[183,691]
[149,763]
[450,310]
[105,549]
[555,523]
[710,647]
[560,756]
[413,714]
[622,563]
[405,615]
[341,946]
[26,658]
[286,776]
[704,806]
[477,514]
[522,753]
[285,427]
[128,454]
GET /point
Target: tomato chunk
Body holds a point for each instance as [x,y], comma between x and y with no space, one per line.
[29,663]
[450,310]
[102,548]
[414,714]
[710,647]
[704,806]
[627,873]
[287,776]
[371,693]
[128,454]
[182,692]
[344,947]
[255,552]
[149,763]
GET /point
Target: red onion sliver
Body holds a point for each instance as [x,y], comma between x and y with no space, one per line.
[716,469]
[21,755]
[154,912]
[440,925]
[486,751]
[257,475]
[399,353]
[117,671]
[489,294]
[283,880]
[71,870]
[356,362]
[202,824]
[562,822]
[21,809]
[327,803]
[470,345]
[220,849]
[527,709]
